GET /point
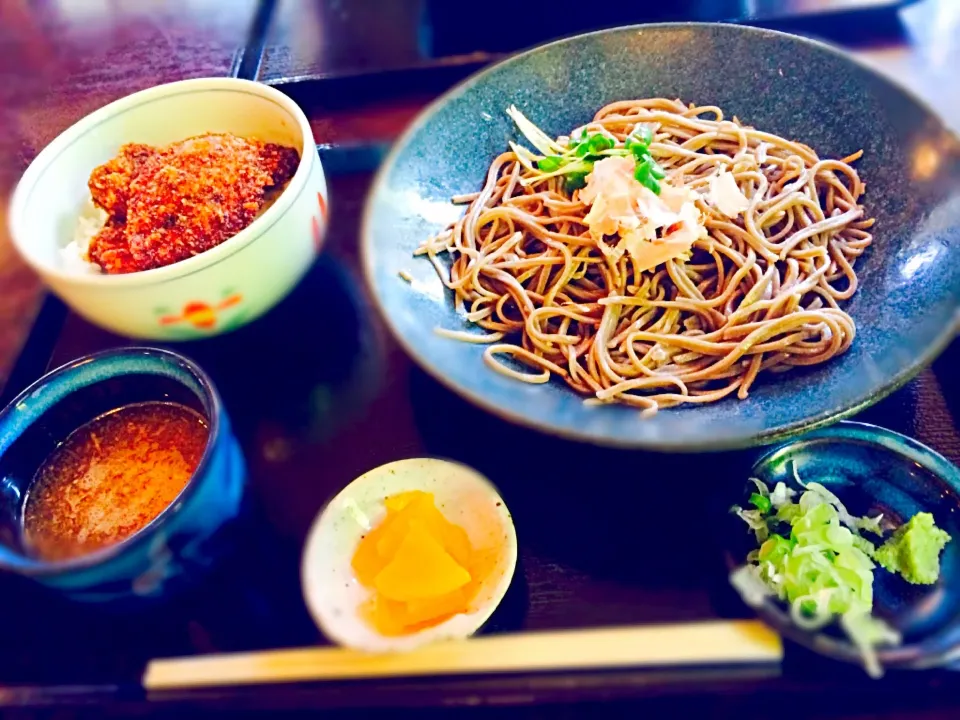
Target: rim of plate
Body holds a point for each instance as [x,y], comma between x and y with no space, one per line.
[763,437]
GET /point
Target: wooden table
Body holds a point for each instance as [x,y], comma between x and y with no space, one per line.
[72,61]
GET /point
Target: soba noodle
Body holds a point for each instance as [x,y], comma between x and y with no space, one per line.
[758,293]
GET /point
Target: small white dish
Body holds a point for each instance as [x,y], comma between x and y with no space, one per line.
[465,497]
[215,291]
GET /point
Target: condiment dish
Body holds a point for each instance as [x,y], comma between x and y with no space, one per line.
[173,550]
[873,471]
[333,594]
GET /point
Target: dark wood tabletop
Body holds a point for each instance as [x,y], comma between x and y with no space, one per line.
[315,419]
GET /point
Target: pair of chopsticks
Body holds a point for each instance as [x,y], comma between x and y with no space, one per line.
[688,644]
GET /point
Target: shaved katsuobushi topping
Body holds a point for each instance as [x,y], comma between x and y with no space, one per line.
[651,227]
[633,207]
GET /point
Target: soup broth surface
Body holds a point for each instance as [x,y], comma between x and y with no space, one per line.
[110,478]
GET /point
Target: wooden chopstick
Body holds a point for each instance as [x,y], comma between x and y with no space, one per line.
[708,643]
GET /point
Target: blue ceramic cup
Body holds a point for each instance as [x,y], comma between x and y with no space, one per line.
[181,543]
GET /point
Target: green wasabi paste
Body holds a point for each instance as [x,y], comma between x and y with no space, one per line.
[913,551]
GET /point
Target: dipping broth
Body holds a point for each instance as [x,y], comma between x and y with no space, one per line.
[110,478]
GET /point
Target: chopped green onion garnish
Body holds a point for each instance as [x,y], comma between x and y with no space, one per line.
[549,163]
[644,175]
[651,185]
[775,548]
[760,502]
[583,149]
[640,152]
[592,144]
[825,569]
[598,143]
[575,181]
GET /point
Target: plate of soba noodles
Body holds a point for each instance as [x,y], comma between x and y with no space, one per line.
[675,237]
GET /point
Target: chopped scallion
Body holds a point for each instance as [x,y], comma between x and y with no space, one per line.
[575,181]
[598,143]
[824,569]
[760,502]
[640,152]
[549,163]
[644,175]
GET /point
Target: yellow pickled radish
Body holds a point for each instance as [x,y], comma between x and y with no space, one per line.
[419,563]
[421,569]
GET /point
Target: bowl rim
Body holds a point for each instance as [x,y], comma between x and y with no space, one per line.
[45,160]
[480,400]
[415,639]
[772,611]
[213,407]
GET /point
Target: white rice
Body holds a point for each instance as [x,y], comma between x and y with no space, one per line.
[75,255]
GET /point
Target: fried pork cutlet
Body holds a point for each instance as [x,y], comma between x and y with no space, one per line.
[110,183]
[168,204]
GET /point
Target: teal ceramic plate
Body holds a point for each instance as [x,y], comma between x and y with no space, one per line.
[906,306]
[873,470]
